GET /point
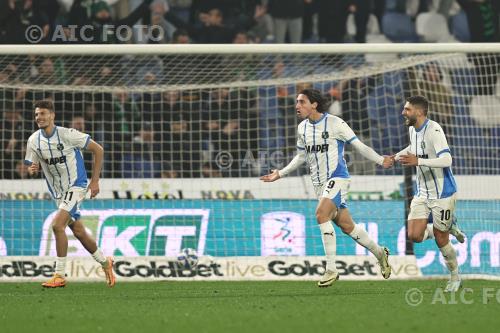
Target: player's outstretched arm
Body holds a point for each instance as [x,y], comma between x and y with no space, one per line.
[293,165]
[271,177]
[98,153]
[370,154]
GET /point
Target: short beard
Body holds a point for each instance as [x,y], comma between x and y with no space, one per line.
[410,122]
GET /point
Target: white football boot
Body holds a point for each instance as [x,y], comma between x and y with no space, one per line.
[328,279]
[385,268]
[452,286]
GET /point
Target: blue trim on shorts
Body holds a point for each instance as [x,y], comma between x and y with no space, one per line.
[337,200]
[74,212]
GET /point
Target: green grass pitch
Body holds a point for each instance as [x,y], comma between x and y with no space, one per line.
[282,307]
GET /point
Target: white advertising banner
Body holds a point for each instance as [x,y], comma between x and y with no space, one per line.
[297,268]
[361,188]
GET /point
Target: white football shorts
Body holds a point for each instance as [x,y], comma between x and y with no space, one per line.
[71,200]
[442,211]
[335,189]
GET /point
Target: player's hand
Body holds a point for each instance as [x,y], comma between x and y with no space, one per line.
[94,189]
[408,160]
[388,162]
[33,169]
[274,175]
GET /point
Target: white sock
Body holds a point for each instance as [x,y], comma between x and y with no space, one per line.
[329,244]
[450,258]
[429,232]
[61,266]
[362,238]
[99,257]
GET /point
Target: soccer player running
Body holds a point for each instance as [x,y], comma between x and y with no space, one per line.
[57,150]
[436,188]
[320,143]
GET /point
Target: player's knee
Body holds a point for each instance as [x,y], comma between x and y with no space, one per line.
[415,237]
[319,217]
[58,227]
[322,216]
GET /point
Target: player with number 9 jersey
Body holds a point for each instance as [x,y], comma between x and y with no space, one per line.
[320,143]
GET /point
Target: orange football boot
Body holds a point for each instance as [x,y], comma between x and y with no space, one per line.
[108,270]
[57,281]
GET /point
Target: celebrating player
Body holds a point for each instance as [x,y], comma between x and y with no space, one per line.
[57,150]
[436,188]
[320,143]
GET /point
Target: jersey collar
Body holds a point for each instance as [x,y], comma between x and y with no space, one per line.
[45,134]
[423,125]
[317,121]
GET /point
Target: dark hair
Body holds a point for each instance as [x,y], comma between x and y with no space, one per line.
[44,104]
[315,96]
[431,66]
[179,32]
[420,102]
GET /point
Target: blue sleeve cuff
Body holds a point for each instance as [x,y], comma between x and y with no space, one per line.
[446,150]
[26,162]
[352,139]
[86,142]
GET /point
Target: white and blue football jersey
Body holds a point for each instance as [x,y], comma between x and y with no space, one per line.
[429,141]
[323,143]
[60,158]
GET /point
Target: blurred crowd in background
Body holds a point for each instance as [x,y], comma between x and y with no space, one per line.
[179,133]
[250,21]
